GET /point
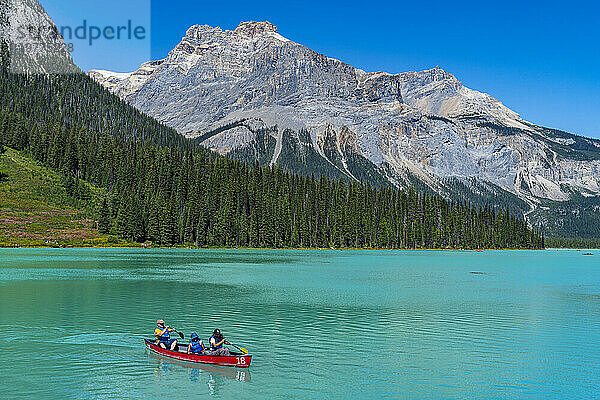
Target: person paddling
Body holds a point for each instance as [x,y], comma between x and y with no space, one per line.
[163,338]
[196,346]
[216,342]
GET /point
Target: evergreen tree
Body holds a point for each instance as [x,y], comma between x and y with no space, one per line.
[4,57]
[104,217]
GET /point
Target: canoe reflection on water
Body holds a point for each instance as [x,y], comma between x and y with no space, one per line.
[194,369]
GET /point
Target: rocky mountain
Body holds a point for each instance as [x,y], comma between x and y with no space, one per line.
[255,95]
[34,42]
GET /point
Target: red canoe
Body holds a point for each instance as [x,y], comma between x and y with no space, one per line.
[234,360]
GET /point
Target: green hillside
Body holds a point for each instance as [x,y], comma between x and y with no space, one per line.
[39,207]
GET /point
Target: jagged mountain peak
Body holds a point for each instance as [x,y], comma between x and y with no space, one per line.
[435,75]
[196,31]
[253,28]
[438,72]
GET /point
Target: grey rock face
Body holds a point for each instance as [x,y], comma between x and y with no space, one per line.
[414,126]
[34,42]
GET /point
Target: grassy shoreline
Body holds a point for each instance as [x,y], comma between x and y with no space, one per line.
[147,247]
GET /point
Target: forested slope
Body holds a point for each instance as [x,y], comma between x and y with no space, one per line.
[166,189]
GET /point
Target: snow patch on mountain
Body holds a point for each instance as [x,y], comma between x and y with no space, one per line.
[110,74]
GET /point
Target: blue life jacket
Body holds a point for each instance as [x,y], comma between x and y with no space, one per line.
[196,347]
[216,341]
[165,336]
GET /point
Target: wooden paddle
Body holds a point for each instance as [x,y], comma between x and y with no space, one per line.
[176,331]
[243,350]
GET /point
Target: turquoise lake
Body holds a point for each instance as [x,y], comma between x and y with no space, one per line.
[320,324]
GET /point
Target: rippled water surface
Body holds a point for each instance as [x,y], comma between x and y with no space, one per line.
[321,324]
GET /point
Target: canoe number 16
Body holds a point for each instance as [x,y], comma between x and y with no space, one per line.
[241,360]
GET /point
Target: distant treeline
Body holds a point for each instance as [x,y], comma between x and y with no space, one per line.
[169,190]
[573,243]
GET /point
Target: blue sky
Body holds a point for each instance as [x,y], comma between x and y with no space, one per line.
[541,59]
